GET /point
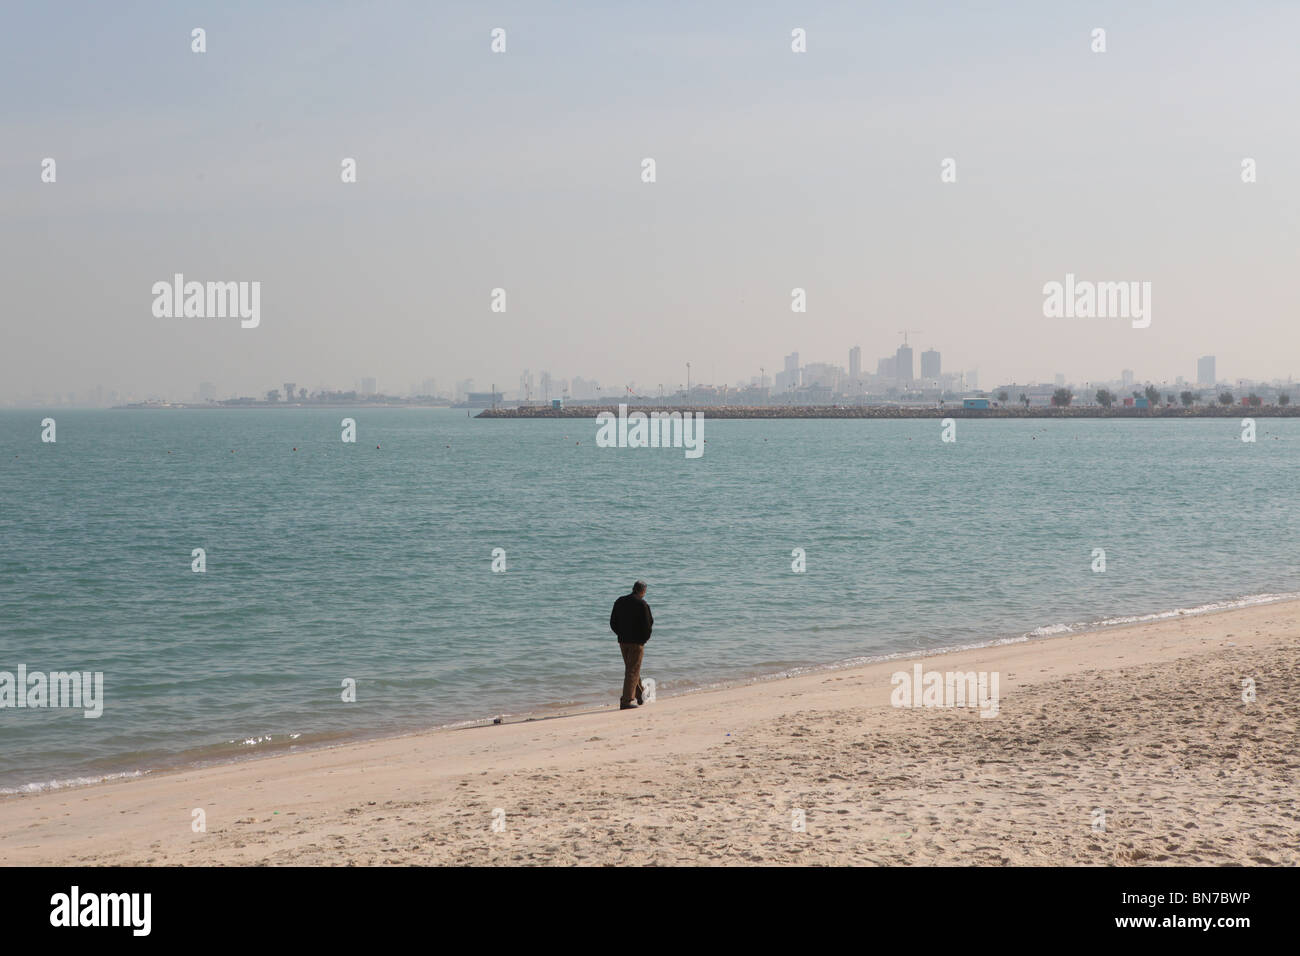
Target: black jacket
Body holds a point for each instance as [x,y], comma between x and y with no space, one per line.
[631,620]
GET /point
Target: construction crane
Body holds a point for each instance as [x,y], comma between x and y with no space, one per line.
[913,331]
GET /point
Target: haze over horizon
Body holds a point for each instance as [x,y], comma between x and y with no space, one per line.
[522,170]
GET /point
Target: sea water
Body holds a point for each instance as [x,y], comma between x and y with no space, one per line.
[372,562]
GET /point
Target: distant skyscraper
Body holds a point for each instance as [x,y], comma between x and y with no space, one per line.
[904,367]
[207,392]
[368,386]
[1060,380]
[855,363]
[789,378]
[930,366]
[1126,377]
[1205,370]
[887,367]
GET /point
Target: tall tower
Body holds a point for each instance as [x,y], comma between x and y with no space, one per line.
[904,366]
[929,365]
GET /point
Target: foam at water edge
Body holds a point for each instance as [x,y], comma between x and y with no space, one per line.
[1050,630]
[72,782]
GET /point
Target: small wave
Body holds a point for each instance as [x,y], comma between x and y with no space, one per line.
[49,785]
[1050,630]
[1251,600]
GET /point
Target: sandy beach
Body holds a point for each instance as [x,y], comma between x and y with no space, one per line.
[1141,730]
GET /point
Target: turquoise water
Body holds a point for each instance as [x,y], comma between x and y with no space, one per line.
[350,561]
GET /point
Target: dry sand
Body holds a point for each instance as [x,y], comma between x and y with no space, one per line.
[1146,723]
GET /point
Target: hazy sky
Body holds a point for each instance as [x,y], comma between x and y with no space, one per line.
[522,170]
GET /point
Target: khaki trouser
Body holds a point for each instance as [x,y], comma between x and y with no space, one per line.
[632,654]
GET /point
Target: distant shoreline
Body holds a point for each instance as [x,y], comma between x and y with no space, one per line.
[899,411]
[185,406]
[787,411]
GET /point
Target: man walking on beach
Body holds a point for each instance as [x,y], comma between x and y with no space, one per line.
[631,620]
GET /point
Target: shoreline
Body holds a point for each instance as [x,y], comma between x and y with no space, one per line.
[195,760]
[1147,713]
[885,412]
[896,412]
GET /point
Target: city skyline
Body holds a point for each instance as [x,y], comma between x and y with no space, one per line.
[938,206]
[542,386]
